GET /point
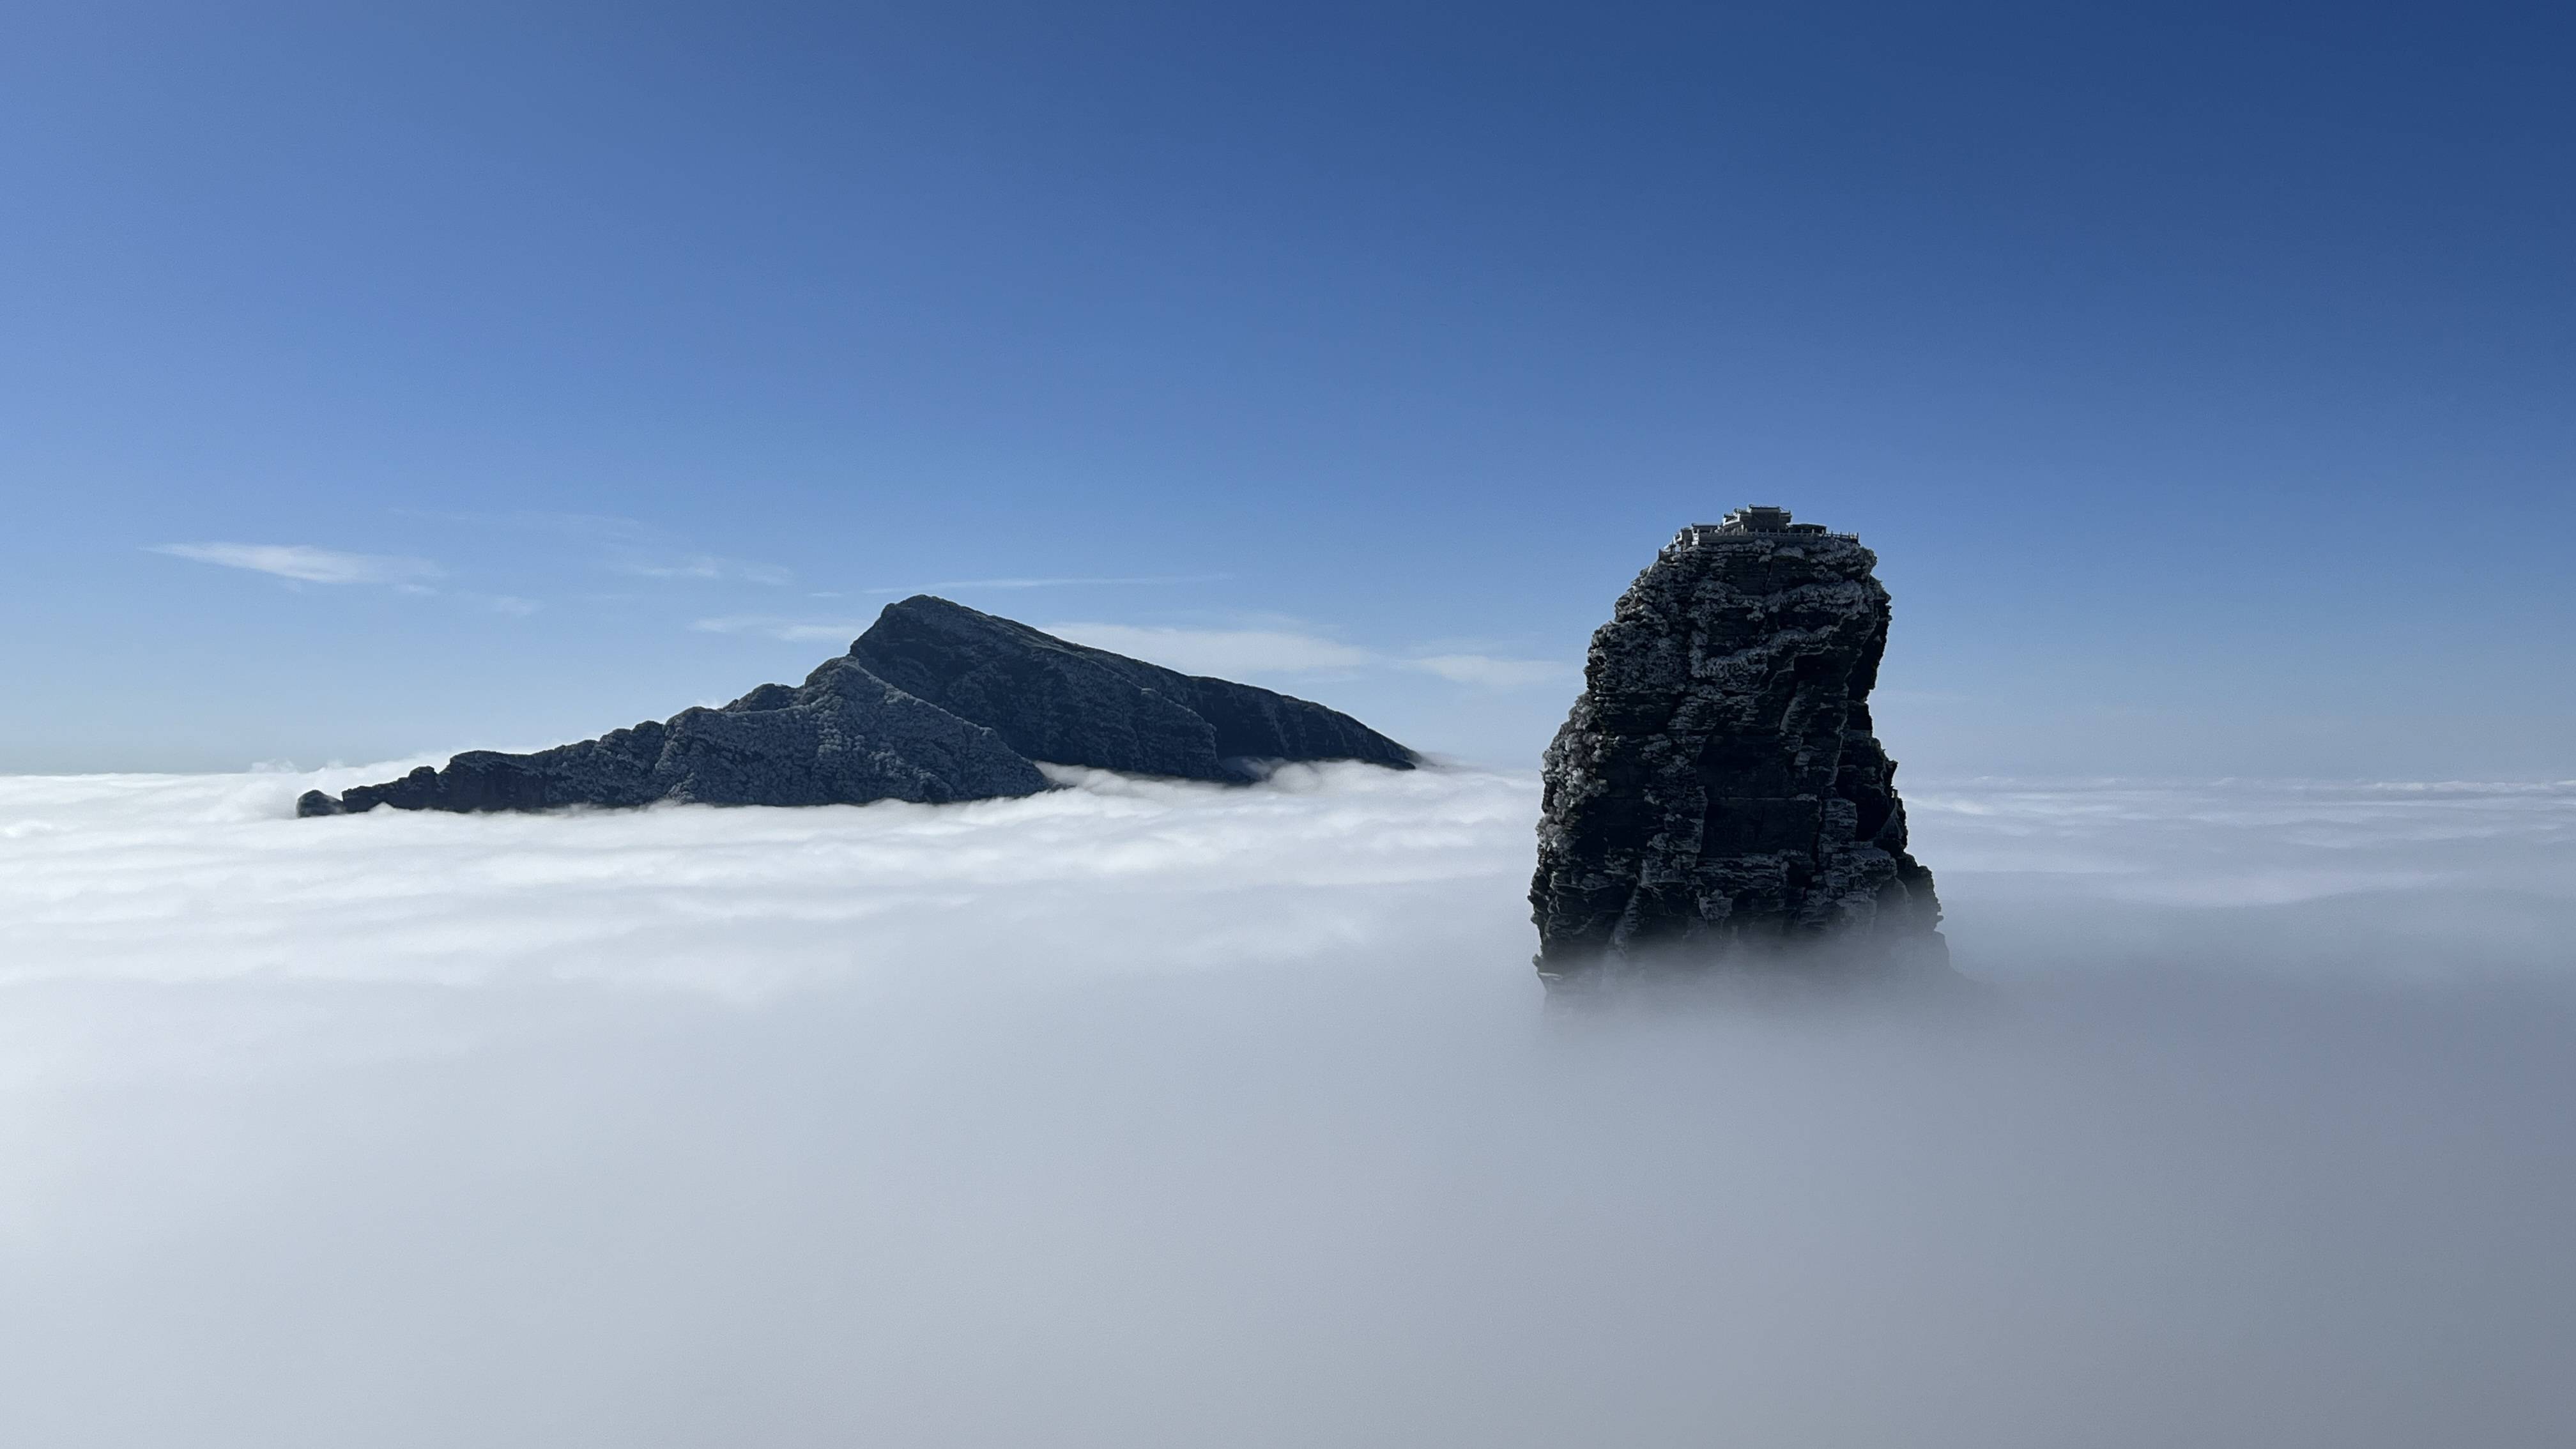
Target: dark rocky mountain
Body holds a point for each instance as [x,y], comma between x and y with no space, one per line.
[1062,702]
[935,702]
[1718,797]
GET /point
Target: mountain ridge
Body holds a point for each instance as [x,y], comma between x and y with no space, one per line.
[934,703]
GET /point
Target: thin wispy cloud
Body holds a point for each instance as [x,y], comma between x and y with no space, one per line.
[605,527]
[1219,651]
[1233,652]
[707,568]
[793,631]
[306,564]
[1488,672]
[1055,583]
[1229,653]
[631,546]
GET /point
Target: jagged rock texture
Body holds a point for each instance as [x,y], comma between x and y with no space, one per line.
[1051,699]
[936,702]
[1717,797]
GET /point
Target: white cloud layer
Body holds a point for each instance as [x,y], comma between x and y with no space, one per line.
[1153,1114]
[306,564]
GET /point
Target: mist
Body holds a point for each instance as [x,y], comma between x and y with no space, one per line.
[1146,1113]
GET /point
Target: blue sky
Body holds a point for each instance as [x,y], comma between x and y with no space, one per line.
[378,383]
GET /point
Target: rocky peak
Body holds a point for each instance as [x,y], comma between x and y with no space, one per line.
[1718,796]
[1066,703]
[936,702]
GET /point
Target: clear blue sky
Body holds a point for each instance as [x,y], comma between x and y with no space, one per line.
[2204,375]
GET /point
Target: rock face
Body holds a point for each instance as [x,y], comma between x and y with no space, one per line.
[1717,799]
[935,703]
[1058,701]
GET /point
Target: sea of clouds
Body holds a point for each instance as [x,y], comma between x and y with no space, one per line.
[1154,1114]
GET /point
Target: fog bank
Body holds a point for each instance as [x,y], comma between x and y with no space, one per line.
[1158,1114]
